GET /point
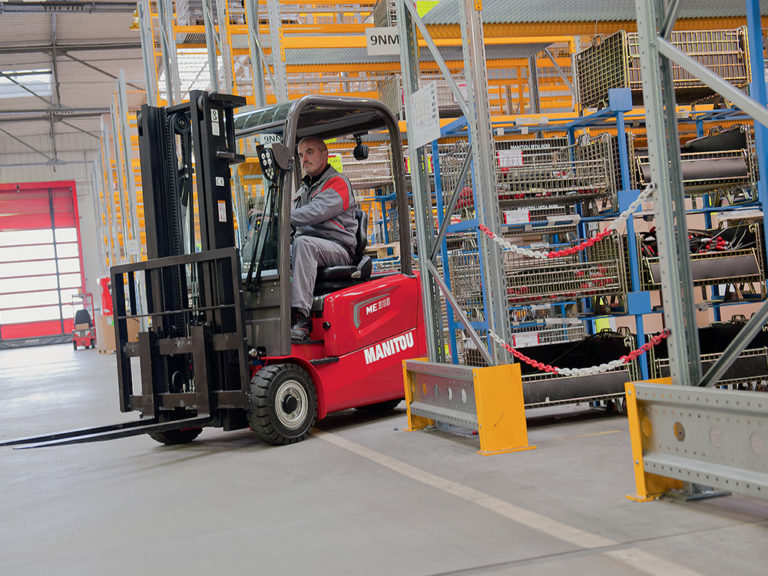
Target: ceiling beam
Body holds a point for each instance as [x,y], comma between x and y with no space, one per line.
[62,111]
[16,49]
[26,7]
[46,115]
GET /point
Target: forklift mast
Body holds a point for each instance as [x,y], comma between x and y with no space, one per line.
[191,283]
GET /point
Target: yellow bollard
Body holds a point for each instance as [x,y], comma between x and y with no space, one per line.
[649,486]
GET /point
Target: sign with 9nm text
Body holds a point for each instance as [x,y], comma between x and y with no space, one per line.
[382,41]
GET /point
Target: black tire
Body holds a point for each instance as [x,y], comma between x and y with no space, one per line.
[619,406]
[170,437]
[380,407]
[74,345]
[283,404]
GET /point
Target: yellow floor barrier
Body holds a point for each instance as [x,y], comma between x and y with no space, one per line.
[649,486]
[489,400]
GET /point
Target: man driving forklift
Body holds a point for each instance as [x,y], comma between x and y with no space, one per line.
[325,228]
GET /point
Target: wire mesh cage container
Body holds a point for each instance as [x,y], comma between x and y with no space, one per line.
[748,371]
[547,331]
[605,145]
[597,272]
[451,156]
[719,162]
[385,14]
[451,160]
[551,222]
[614,62]
[390,90]
[733,257]
[391,94]
[375,171]
[537,177]
[546,389]
[466,282]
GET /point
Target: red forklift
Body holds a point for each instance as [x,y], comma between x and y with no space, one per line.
[83,330]
[215,347]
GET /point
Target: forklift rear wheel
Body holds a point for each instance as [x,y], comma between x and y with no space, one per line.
[283,404]
[170,437]
[379,407]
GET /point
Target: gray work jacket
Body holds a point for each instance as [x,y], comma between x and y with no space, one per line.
[324,207]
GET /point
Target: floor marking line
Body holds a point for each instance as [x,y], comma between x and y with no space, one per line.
[634,557]
[590,435]
[648,562]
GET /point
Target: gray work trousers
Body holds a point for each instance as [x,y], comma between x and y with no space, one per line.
[307,253]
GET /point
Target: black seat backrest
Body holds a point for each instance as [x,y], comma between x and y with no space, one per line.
[83,317]
[362,234]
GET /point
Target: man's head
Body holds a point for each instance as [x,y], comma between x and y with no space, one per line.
[313,154]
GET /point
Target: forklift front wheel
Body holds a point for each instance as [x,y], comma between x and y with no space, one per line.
[283,404]
[171,437]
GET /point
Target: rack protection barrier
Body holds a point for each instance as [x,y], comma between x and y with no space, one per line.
[711,437]
[489,400]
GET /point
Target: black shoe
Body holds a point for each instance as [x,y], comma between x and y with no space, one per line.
[301,328]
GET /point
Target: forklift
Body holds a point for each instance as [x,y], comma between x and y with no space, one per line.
[215,347]
[83,330]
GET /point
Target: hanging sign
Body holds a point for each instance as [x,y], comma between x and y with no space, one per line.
[382,41]
[425,115]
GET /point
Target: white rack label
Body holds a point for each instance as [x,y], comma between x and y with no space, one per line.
[525,339]
[511,157]
[222,211]
[519,216]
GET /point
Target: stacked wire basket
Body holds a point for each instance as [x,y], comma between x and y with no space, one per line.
[615,63]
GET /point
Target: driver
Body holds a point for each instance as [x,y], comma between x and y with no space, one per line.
[324,218]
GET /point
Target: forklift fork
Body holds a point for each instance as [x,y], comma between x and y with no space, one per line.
[109,432]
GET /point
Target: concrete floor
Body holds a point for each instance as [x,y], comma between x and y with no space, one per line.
[360,496]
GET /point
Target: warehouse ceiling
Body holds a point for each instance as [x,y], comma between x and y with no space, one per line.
[59,62]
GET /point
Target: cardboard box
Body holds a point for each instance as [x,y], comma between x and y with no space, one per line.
[105,332]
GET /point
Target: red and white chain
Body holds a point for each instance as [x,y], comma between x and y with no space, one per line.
[599,369]
[620,219]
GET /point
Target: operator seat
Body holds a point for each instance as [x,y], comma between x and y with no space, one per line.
[332,278]
[83,317]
